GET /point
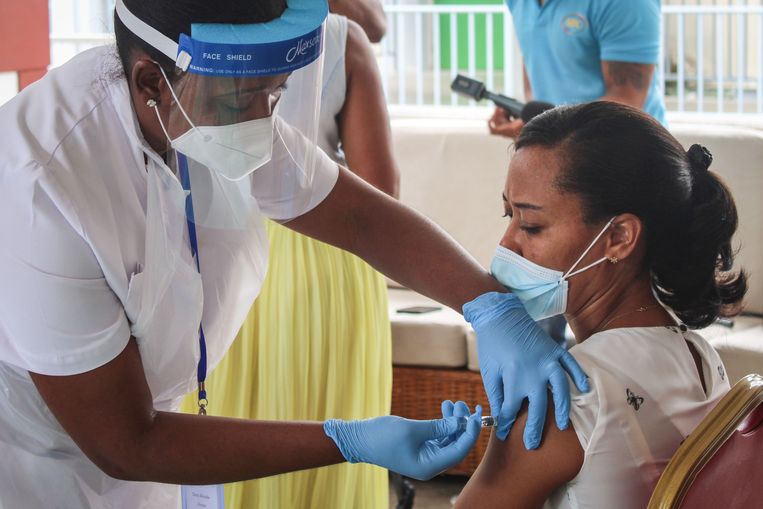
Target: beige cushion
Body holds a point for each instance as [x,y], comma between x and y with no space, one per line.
[740,348]
[453,172]
[434,339]
[473,361]
[742,353]
[738,324]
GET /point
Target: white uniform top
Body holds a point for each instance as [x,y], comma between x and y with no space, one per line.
[646,398]
[79,264]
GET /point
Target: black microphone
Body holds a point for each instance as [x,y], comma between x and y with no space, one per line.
[476,90]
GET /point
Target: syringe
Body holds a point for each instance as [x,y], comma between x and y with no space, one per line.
[487,421]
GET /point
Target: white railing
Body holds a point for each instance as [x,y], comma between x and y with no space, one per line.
[76,25]
[420,55]
[711,61]
[711,58]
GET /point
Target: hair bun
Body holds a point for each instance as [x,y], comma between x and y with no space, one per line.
[699,157]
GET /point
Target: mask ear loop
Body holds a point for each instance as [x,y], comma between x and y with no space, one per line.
[153,104]
[569,273]
[180,106]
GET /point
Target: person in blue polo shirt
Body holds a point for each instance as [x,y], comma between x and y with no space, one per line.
[584,50]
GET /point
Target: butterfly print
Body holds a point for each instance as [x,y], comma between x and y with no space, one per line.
[633,400]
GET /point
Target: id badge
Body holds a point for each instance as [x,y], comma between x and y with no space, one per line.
[203,497]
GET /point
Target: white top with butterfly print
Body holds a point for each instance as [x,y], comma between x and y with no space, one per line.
[646,398]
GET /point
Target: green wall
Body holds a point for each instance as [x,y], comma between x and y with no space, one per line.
[480,33]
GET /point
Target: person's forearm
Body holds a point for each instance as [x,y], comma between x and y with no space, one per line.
[190,449]
[397,241]
[108,412]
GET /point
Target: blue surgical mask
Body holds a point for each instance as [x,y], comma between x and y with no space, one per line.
[542,291]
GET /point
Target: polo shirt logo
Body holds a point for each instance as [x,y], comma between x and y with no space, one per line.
[574,24]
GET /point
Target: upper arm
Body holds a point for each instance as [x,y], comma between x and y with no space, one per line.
[627,82]
[628,34]
[62,322]
[58,313]
[510,476]
[369,14]
[105,411]
[363,121]
[335,220]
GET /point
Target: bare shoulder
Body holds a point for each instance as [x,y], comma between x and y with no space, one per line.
[368,13]
[510,476]
[360,63]
[359,52]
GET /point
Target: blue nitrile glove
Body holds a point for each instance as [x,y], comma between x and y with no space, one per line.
[460,410]
[417,449]
[519,360]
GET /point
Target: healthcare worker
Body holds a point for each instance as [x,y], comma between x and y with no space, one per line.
[132,247]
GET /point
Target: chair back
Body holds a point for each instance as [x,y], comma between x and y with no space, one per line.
[719,464]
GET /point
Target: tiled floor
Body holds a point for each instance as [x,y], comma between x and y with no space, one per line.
[434,494]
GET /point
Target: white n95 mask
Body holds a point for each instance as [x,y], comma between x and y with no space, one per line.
[543,291]
[225,72]
[234,151]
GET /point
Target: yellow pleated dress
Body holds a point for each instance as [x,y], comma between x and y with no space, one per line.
[316,345]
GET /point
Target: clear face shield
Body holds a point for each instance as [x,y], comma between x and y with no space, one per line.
[223,123]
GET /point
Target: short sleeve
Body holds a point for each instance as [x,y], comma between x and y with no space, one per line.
[584,407]
[283,189]
[58,315]
[628,31]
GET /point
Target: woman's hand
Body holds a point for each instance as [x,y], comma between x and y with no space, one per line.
[519,360]
[502,124]
[417,449]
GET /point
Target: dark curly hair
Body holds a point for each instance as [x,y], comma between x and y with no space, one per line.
[619,160]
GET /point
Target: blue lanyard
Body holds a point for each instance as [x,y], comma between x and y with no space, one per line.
[201,371]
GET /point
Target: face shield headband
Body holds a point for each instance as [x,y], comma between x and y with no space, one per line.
[228,83]
[280,46]
[227,86]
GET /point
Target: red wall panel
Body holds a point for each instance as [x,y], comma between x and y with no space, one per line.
[26,78]
[25,40]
